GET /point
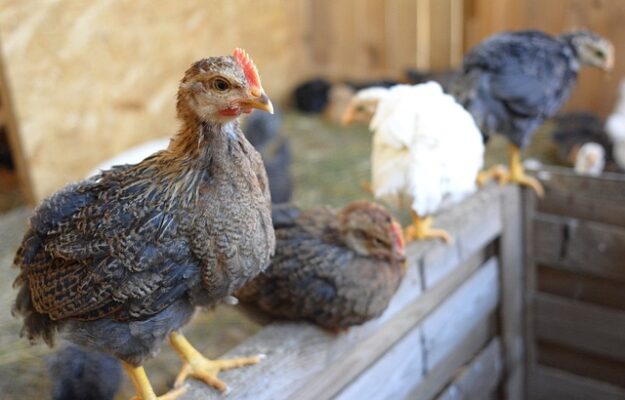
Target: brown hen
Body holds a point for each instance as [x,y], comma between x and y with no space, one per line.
[334,268]
[120,262]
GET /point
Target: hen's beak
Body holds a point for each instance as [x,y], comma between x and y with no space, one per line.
[347,117]
[609,61]
[258,99]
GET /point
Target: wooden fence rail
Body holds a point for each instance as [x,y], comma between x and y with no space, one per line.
[452,331]
[576,288]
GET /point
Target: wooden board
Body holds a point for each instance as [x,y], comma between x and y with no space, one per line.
[583,364]
[512,289]
[443,372]
[598,199]
[581,287]
[552,384]
[473,301]
[479,378]
[90,79]
[591,329]
[588,247]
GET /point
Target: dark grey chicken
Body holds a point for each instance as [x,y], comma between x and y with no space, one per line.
[120,262]
[263,130]
[80,374]
[334,268]
[512,82]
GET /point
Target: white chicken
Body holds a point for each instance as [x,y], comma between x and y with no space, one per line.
[615,127]
[427,150]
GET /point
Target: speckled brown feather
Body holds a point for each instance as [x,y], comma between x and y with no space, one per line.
[335,268]
[191,222]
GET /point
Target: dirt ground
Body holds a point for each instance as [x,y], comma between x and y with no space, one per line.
[330,162]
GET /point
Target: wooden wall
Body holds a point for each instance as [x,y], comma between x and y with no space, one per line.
[91,78]
[576,282]
[374,38]
[596,91]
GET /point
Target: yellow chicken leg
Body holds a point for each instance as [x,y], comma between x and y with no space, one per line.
[200,367]
[143,387]
[517,173]
[497,171]
[421,229]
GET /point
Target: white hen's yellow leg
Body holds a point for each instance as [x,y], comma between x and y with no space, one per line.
[143,387]
[200,367]
[421,229]
[517,173]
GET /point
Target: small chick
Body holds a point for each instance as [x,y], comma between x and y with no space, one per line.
[590,159]
[81,374]
[334,268]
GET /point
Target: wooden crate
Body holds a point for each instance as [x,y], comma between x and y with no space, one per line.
[576,287]
[452,331]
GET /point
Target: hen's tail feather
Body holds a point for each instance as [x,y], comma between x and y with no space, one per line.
[36,325]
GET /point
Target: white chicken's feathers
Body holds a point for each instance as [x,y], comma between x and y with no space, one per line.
[615,128]
[426,147]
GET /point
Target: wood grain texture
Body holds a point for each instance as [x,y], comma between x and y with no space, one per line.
[577,245]
[90,79]
[443,372]
[305,362]
[591,329]
[552,384]
[580,287]
[511,312]
[579,363]
[479,378]
[598,199]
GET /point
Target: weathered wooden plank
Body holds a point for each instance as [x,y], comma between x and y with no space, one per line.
[392,376]
[512,307]
[552,384]
[609,185]
[479,378]
[303,359]
[589,328]
[581,287]
[475,299]
[398,370]
[589,247]
[598,199]
[529,209]
[443,372]
[578,363]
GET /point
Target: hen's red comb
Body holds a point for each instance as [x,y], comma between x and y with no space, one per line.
[251,73]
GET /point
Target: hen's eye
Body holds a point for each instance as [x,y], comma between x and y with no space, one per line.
[221,85]
[360,108]
[598,54]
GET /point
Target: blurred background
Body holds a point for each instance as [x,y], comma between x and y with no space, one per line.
[81,82]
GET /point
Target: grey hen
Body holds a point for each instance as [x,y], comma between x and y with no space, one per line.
[512,82]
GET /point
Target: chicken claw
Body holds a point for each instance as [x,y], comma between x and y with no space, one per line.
[498,172]
[421,229]
[200,367]
[143,387]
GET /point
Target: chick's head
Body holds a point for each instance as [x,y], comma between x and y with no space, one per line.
[219,89]
[369,230]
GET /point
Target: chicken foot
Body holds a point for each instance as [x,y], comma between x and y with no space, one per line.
[497,171]
[143,387]
[421,229]
[517,173]
[200,367]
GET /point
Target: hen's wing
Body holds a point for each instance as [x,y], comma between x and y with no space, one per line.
[98,249]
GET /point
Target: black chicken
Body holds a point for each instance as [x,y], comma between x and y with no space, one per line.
[512,82]
[263,130]
[81,374]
